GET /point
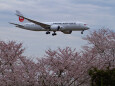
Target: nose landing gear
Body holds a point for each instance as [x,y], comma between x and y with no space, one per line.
[82,31]
[47,32]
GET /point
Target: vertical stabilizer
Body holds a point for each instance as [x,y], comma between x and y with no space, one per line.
[21,18]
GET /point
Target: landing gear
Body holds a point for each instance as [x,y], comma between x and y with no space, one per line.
[47,32]
[53,34]
[82,31]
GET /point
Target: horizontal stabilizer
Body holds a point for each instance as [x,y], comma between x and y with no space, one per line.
[17,25]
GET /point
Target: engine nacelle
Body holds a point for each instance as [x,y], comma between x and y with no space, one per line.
[55,27]
[67,31]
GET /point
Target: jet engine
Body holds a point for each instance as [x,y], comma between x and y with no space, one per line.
[55,27]
[67,31]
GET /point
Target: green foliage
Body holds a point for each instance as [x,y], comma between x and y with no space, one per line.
[100,77]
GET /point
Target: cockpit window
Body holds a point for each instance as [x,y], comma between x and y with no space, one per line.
[85,24]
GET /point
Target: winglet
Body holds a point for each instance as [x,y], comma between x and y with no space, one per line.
[18,13]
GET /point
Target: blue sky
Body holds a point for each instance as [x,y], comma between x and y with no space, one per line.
[96,13]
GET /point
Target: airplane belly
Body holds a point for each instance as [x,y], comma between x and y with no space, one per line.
[73,27]
[34,28]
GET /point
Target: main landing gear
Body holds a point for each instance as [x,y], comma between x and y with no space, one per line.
[47,32]
[53,34]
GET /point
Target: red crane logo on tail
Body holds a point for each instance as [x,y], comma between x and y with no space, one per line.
[21,19]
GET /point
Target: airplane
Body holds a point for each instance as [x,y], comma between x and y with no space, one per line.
[65,27]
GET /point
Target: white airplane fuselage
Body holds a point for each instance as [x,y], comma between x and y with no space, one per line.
[63,26]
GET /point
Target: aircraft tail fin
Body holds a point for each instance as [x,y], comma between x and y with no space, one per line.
[20,15]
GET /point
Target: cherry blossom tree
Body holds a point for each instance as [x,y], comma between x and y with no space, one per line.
[16,69]
[100,53]
[66,67]
[9,53]
[61,67]
[101,48]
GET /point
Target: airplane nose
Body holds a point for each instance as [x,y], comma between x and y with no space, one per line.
[86,26]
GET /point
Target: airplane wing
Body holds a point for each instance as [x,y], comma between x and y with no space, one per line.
[46,26]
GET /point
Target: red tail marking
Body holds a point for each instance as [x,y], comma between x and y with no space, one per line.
[21,19]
